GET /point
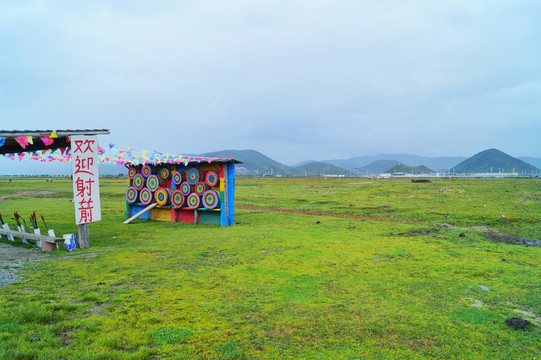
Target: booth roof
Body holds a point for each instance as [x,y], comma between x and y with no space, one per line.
[11,146]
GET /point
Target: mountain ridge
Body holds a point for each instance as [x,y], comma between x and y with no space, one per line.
[441,163]
[494,161]
[318,168]
[256,163]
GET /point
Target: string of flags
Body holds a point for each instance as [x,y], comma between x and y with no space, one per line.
[62,155]
[25,140]
[123,155]
[111,154]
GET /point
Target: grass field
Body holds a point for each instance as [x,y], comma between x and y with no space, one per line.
[314,269]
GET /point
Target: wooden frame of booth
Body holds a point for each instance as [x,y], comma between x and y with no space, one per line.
[223,215]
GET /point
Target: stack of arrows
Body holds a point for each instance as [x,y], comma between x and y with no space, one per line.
[33,220]
[44,223]
[23,227]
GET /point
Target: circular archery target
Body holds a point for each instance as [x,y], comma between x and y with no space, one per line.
[211,178]
[163,196]
[211,199]
[138,181]
[132,172]
[153,182]
[145,196]
[177,178]
[131,194]
[177,199]
[193,201]
[200,188]
[148,170]
[192,176]
[165,173]
[186,189]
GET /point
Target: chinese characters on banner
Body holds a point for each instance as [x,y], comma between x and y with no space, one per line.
[86,189]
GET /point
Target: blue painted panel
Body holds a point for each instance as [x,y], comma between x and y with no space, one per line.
[223,220]
[136,208]
[231,192]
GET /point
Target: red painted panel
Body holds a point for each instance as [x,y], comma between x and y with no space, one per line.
[221,170]
[184,215]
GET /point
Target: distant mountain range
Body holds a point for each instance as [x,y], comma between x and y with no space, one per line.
[321,168]
[255,163]
[441,164]
[376,167]
[417,170]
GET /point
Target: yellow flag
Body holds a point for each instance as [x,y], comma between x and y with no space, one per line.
[30,140]
[53,135]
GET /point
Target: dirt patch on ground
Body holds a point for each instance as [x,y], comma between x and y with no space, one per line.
[13,258]
[419,232]
[65,336]
[496,236]
[17,257]
[530,315]
[27,193]
[84,255]
[319,213]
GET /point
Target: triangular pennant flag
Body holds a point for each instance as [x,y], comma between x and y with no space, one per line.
[30,140]
[22,140]
[53,135]
[47,141]
[2,140]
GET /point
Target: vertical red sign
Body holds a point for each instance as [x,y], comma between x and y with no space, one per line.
[86,189]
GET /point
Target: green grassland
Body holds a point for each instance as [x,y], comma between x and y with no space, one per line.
[313,269]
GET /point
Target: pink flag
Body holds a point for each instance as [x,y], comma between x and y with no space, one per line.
[22,140]
[47,140]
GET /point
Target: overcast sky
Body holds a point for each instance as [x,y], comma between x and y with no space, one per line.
[296,80]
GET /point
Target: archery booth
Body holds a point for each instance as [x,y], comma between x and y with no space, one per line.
[200,191]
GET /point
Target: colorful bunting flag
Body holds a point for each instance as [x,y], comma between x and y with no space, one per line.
[22,140]
[47,141]
[112,155]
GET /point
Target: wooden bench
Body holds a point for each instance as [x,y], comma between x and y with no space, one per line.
[48,243]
